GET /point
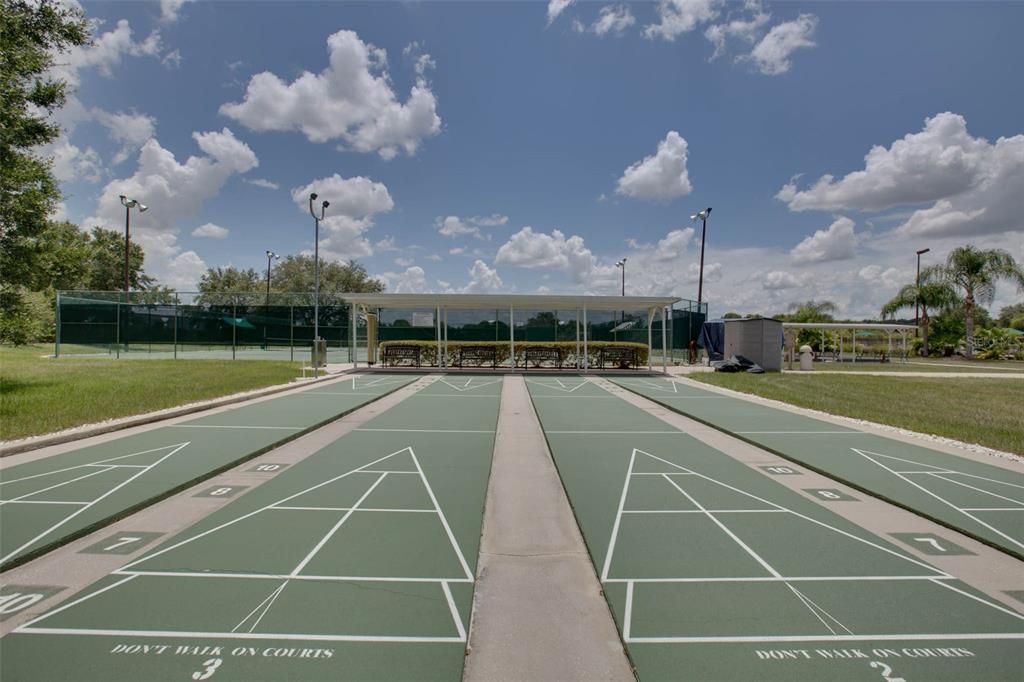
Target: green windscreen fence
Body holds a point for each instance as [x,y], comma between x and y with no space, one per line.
[280,325]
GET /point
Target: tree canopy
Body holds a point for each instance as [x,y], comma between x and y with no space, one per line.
[33,34]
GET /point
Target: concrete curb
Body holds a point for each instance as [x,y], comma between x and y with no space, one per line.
[74,433]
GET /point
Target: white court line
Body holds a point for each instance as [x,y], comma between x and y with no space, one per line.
[707,511]
[824,638]
[351,509]
[75,602]
[334,529]
[257,511]
[455,612]
[998,607]
[980,490]
[606,432]
[764,564]
[865,455]
[578,397]
[230,426]
[786,579]
[802,432]
[228,635]
[618,518]
[440,513]
[315,393]
[628,621]
[819,613]
[17,501]
[283,576]
[269,598]
[466,386]
[56,485]
[425,430]
[562,388]
[99,462]
[831,528]
[101,497]
[925,472]
[1016,509]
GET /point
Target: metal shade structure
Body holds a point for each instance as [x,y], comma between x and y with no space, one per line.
[442,303]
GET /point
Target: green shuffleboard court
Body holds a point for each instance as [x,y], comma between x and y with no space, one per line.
[356,563]
[50,501]
[983,501]
[714,571]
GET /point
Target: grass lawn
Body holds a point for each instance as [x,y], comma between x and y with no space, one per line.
[40,394]
[951,365]
[983,411]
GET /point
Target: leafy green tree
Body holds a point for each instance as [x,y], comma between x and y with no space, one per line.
[295,274]
[933,294]
[1012,316]
[33,34]
[975,272]
[732,316]
[107,263]
[63,258]
[810,311]
[229,280]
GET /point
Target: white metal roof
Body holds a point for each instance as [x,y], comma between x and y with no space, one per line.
[520,301]
[848,325]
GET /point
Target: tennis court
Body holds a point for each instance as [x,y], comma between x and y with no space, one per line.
[715,571]
[981,500]
[356,563]
[49,501]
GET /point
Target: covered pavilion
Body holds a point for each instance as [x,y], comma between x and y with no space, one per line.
[580,305]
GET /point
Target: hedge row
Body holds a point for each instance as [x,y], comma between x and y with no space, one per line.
[428,349]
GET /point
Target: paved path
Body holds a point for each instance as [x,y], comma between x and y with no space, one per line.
[538,613]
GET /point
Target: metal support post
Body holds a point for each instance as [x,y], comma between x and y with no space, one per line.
[664,336]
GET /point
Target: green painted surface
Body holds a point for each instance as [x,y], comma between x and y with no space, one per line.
[102,482]
[741,578]
[335,569]
[941,486]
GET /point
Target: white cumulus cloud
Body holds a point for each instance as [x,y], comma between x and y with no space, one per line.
[973,185]
[173,191]
[529,249]
[837,242]
[351,100]
[353,204]
[662,176]
[556,7]
[676,17]
[130,130]
[211,231]
[483,279]
[772,54]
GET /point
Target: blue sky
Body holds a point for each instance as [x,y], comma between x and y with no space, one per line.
[527,146]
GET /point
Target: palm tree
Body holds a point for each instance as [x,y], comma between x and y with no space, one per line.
[811,311]
[934,293]
[975,272]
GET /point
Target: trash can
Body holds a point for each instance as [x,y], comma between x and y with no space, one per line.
[320,353]
[806,358]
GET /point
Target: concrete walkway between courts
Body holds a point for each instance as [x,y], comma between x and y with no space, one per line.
[539,609]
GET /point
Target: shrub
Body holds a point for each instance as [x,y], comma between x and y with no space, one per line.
[428,349]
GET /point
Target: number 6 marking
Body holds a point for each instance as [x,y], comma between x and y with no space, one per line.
[211,667]
[886,672]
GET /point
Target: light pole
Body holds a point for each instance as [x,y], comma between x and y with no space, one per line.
[128,204]
[622,264]
[316,276]
[270,256]
[917,296]
[703,217]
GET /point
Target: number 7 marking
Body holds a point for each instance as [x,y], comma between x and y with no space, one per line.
[126,540]
[931,541]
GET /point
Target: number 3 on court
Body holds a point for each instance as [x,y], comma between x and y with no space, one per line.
[207,672]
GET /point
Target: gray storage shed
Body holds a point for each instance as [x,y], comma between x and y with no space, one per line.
[759,340]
